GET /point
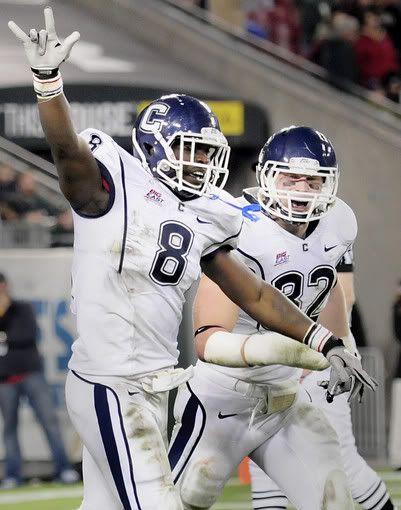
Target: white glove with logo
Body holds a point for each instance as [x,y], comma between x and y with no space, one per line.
[44,50]
[347,375]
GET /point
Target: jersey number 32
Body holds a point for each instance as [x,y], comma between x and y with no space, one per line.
[294,284]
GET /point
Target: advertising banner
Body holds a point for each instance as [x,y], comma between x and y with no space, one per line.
[114,108]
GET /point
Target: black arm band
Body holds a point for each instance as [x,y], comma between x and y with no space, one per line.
[205,328]
[45,74]
[331,343]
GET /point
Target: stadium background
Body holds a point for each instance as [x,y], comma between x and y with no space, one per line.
[132,51]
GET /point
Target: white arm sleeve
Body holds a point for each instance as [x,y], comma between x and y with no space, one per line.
[236,350]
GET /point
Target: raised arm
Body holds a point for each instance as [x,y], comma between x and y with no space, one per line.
[80,179]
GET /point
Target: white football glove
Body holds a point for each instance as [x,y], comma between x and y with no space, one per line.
[346,375]
[44,50]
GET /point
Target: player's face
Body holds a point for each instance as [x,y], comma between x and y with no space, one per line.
[300,183]
[202,154]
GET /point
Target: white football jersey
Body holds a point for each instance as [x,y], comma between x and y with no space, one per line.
[303,269]
[133,264]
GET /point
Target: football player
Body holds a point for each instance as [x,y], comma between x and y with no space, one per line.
[224,414]
[144,225]
[366,486]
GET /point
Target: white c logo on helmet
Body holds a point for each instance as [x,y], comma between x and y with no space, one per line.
[149,125]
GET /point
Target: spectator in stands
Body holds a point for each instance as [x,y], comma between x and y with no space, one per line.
[375,52]
[390,15]
[397,325]
[26,201]
[63,230]
[285,25]
[354,8]
[312,14]
[336,52]
[21,374]
[7,212]
[8,185]
[8,179]
[391,84]
[254,27]
[280,21]
[255,18]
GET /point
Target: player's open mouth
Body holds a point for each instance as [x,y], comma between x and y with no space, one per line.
[198,175]
[299,205]
[195,177]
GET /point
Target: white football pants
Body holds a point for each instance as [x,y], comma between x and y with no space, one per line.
[214,431]
[366,486]
[124,433]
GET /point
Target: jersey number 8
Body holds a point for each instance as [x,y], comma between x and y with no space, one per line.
[169,264]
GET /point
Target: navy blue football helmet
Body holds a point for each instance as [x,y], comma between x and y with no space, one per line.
[186,122]
[303,151]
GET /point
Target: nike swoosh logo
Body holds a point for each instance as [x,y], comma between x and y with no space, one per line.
[328,248]
[222,416]
[199,220]
[132,392]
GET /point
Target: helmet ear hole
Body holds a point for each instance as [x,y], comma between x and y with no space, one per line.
[149,148]
[175,142]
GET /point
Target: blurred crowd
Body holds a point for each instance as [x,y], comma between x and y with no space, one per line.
[22,204]
[356,41]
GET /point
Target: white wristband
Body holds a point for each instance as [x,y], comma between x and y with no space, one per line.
[236,350]
[316,337]
[46,89]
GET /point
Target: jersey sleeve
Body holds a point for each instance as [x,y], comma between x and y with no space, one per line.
[347,229]
[227,223]
[105,151]
[346,264]
[229,242]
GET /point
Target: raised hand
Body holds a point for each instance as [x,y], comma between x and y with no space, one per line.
[347,375]
[44,50]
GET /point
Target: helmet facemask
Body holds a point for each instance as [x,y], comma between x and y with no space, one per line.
[171,169]
[280,202]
